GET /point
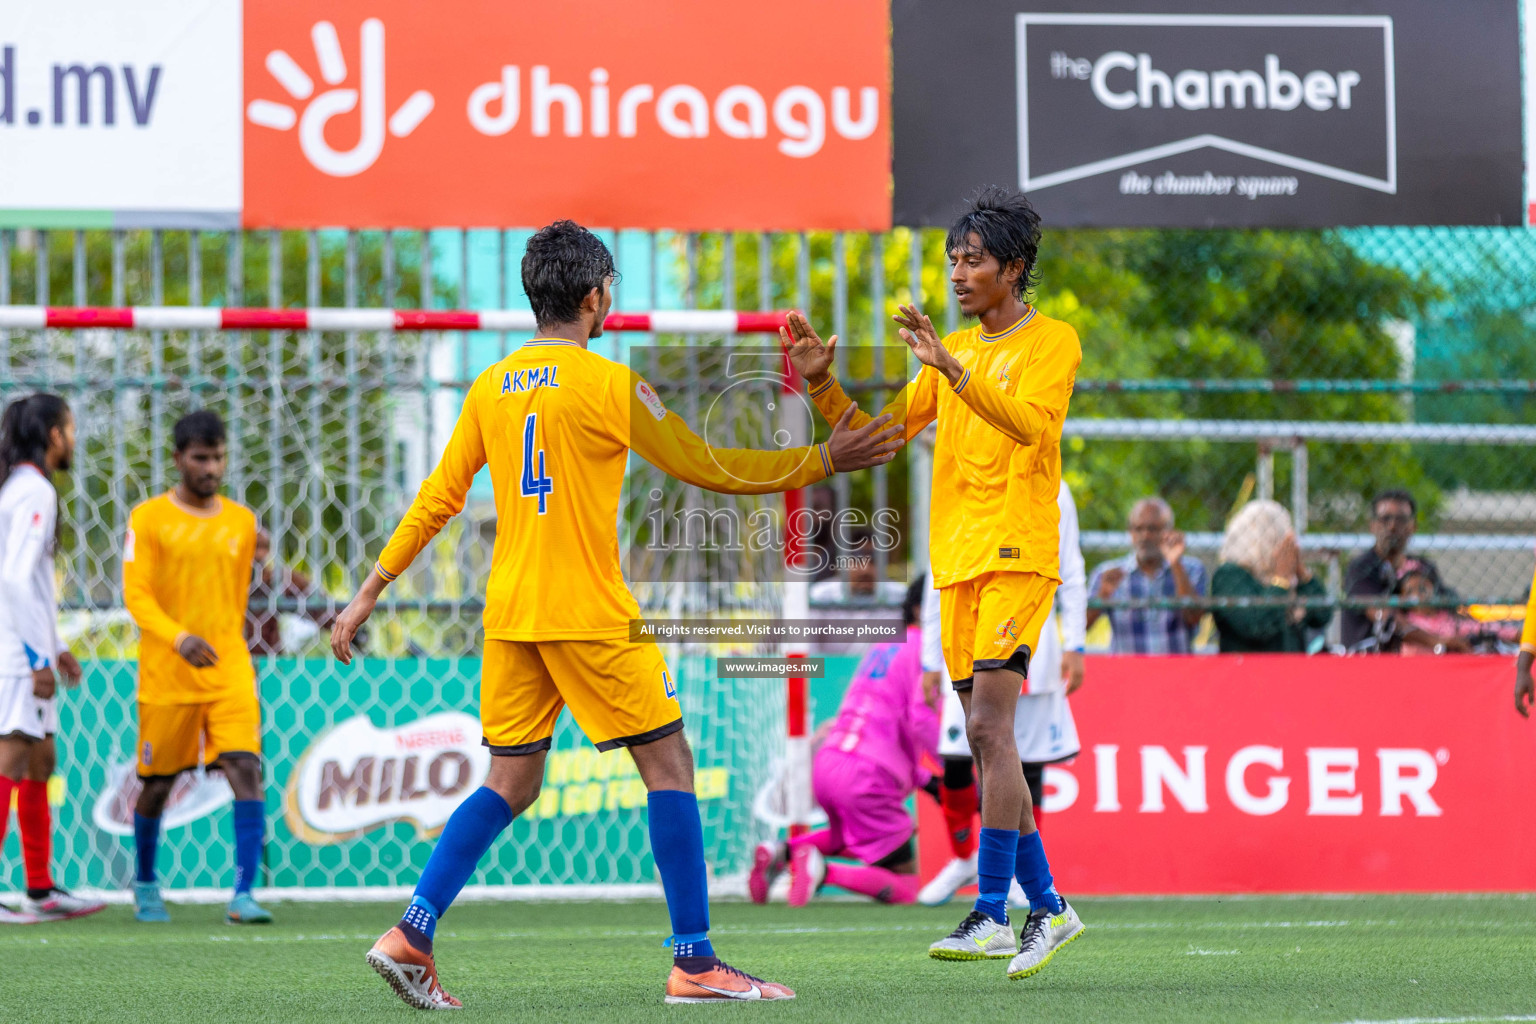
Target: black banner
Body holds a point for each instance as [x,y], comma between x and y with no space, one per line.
[1298,113]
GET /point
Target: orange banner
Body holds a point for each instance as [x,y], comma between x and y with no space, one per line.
[682,114]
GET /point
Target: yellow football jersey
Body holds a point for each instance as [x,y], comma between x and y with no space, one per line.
[188,571]
[997,460]
[556,422]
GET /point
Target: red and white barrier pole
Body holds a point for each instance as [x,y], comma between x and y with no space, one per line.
[214,318]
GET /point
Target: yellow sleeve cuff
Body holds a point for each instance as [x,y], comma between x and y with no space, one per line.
[385,574]
[823,387]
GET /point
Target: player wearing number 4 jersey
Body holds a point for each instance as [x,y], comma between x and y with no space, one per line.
[999,392]
[556,423]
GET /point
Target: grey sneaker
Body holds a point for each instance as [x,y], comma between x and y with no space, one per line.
[978,937]
[1044,934]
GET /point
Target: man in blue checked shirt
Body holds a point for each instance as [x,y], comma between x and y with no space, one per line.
[1155,568]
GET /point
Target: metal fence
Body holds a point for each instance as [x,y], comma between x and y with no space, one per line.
[1317,367]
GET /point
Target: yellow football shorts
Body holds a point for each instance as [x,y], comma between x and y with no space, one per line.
[620,693]
[993,621]
[175,737]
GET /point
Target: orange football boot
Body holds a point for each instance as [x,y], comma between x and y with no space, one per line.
[410,972]
[721,983]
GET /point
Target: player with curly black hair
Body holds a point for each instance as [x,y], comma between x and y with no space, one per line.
[999,390]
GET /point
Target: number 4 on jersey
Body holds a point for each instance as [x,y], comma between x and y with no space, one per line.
[542,484]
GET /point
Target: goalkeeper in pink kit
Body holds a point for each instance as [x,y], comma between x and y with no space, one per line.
[869,764]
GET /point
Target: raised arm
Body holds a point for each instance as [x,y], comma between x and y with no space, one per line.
[1045,382]
[440,498]
[660,436]
[914,408]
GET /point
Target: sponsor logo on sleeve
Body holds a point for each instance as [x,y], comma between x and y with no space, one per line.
[651,400]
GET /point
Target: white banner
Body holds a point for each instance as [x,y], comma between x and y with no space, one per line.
[357,776]
[128,111]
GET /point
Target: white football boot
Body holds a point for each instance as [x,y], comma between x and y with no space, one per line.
[1044,934]
[978,937]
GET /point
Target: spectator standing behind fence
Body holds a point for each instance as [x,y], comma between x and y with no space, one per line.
[1156,568]
[1260,558]
[1375,573]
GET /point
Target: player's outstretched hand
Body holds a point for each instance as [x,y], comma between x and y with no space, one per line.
[874,443]
[812,357]
[350,621]
[197,652]
[919,334]
[1525,686]
[70,669]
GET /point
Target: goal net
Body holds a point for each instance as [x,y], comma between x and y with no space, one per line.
[330,433]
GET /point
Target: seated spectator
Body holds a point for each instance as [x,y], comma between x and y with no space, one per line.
[1156,567]
[1261,558]
[1443,630]
[1375,573]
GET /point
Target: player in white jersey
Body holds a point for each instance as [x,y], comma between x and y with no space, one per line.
[37,439]
[1043,726]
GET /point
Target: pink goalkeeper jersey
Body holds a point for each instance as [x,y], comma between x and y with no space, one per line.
[884,718]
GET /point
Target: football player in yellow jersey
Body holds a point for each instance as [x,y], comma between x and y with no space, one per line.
[186,580]
[999,391]
[556,423]
[1525,686]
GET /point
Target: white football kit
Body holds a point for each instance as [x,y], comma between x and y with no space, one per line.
[29,608]
[1042,722]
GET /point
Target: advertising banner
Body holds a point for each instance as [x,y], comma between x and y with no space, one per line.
[120,115]
[1276,773]
[365,764]
[1207,113]
[679,114]
[671,114]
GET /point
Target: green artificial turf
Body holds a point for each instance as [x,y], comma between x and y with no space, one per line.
[1248,959]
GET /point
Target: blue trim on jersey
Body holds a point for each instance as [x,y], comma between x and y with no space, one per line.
[964,380]
[36,660]
[550,341]
[823,386]
[1026,318]
[826,457]
[389,577]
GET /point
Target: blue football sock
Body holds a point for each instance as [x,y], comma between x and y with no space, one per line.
[250,825]
[677,844]
[146,839]
[419,924]
[466,837]
[994,866]
[1035,875]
